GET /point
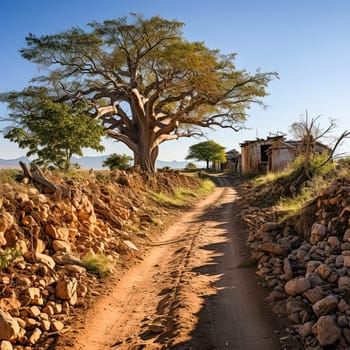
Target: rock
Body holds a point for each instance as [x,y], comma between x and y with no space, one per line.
[305,329]
[66,259]
[314,294]
[66,288]
[35,336]
[339,261]
[318,231]
[34,311]
[9,327]
[344,283]
[60,233]
[34,295]
[130,245]
[269,226]
[346,261]
[156,328]
[315,279]
[62,246]
[325,306]
[324,271]
[272,248]
[326,331]
[333,241]
[45,325]
[342,321]
[288,273]
[294,310]
[75,269]
[57,326]
[45,259]
[343,306]
[346,236]
[5,345]
[312,265]
[3,240]
[297,286]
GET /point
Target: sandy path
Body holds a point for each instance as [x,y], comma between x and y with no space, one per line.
[191,291]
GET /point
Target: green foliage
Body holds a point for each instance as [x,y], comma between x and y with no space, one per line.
[7,256]
[118,161]
[191,167]
[98,264]
[53,132]
[207,151]
[142,79]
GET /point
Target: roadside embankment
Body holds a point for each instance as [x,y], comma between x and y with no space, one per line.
[56,245]
[305,262]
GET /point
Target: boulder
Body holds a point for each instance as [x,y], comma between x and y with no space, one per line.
[318,231]
[297,286]
[344,283]
[272,248]
[325,306]
[66,288]
[324,271]
[9,328]
[5,345]
[314,294]
[326,331]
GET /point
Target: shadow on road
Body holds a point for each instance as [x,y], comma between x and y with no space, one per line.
[232,314]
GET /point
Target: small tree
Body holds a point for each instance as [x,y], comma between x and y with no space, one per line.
[54,132]
[117,161]
[190,167]
[207,151]
[309,132]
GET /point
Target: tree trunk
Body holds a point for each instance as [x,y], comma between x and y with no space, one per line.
[146,155]
[207,164]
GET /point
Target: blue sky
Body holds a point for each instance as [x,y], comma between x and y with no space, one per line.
[306,41]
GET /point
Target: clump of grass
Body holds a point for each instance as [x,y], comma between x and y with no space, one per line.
[206,187]
[8,176]
[8,256]
[98,264]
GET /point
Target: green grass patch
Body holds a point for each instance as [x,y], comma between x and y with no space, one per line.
[98,264]
[181,196]
[8,176]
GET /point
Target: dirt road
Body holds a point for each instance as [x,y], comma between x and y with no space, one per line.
[189,292]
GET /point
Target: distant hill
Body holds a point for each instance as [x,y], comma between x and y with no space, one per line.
[12,163]
[91,163]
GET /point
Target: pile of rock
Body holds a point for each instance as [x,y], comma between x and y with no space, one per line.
[308,271]
[41,289]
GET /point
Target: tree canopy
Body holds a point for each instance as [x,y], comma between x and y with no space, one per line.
[207,151]
[142,81]
[53,132]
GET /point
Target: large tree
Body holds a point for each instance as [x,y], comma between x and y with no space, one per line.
[144,81]
[207,151]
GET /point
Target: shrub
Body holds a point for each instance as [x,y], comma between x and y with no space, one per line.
[98,264]
[8,256]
